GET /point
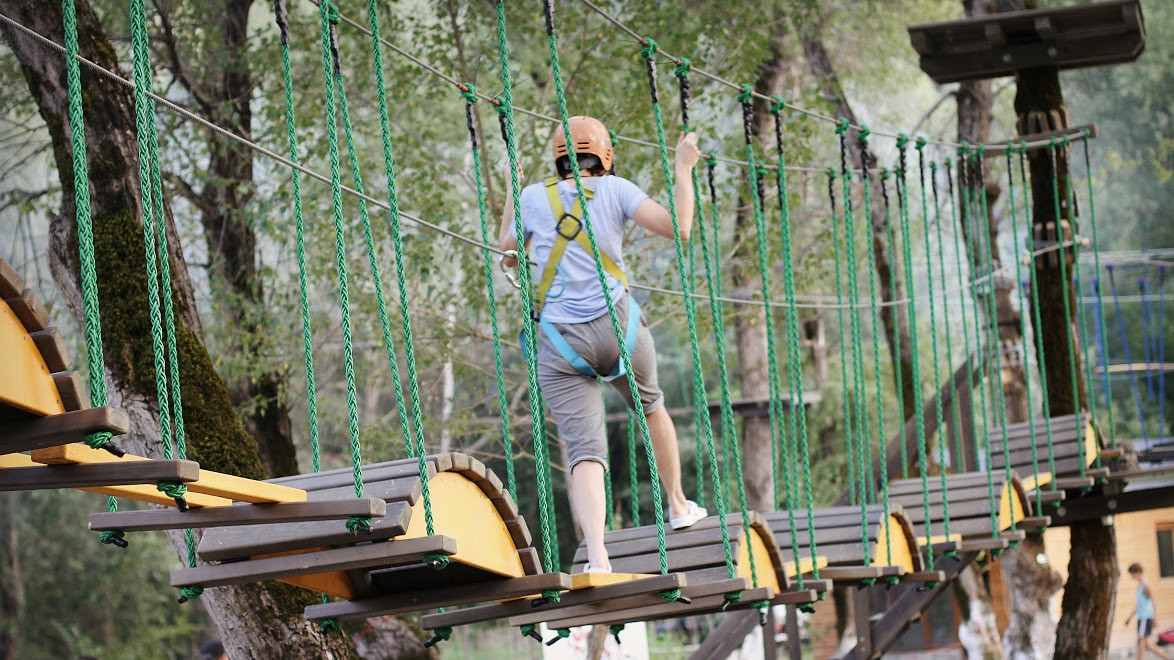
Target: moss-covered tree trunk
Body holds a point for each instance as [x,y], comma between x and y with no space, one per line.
[256,621]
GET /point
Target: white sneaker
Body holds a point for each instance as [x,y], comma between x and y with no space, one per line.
[694,514]
[588,568]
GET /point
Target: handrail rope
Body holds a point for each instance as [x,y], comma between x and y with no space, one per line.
[158,276]
[874,320]
[763,97]
[798,417]
[967,190]
[625,358]
[1025,304]
[919,145]
[727,414]
[863,432]
[425,224]
[985,237]
[1078,315]
[1092,222]
[954,409]
[1146,319]
[957,230]
[1037,322]
[1161,344]
[845,397]
[529,340]
[470,97]
[895,314]
[633,468]
[1128,357]
[1063,261]
[918,413]
[713,276]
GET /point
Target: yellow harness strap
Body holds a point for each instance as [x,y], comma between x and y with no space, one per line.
[569,227]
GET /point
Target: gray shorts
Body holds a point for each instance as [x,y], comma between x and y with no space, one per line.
[577,401]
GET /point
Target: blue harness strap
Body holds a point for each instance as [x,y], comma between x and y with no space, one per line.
[564,349]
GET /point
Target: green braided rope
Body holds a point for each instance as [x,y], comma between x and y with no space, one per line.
[300,242]
[609,502]
[1070,342]
[983,240]
[955,412]
[633,473]
[933,336]
[957,230]
[894,288]
[397,246]
[530,344]
[846,397]
[907,254]
[1024,303]
[1096,255]
[328,13]
[1036,321]
[711,261]
[625,357]
[874,320]
[798,418]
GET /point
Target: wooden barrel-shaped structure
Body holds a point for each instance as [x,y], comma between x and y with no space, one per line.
[968,498]
[850,541]
[476,526]
[1075,446]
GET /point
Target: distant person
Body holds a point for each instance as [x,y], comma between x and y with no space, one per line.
[1145,615]
[213,650]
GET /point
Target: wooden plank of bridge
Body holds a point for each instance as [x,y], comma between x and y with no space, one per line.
[417,601]
[11,283]
[672,610]
[210,483]
[241,514]
[29,310]
[63,428]
[45,477]
[729,636]
[616,609]
[27,386]
[72,390]
[52,348]
[368,555]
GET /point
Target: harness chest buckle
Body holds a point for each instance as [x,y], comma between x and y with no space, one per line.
[569,230]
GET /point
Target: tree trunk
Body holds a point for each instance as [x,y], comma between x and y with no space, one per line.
[215,435]
[11,587]
[1089,594]
[1031,633]
[978,634]
[223,96]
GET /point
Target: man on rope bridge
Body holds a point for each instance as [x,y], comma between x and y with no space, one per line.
[577,348]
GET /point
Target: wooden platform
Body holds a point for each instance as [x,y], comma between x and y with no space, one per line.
[996,45]
[968,500]
[484,537]
[892,548]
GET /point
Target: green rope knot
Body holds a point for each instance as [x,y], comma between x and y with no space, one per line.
[114,537]
[648,48]
[468,91]
[863,133]
[893,580]
[830,172]
[903,140]
[710,158]
[330,11]
[529,630]
[552,595]
[328,626]
[613,135]
[920,143]
[946,161]
[980,149]
[439,635]
[777,104]
[437,562]
[684,66]
[670,595]
[951,553]
[356,524]
[807,608]
[189,593]
[867,582]
[963,149]
[98,440]
[1085,134]
[615,631]
[1065,140]
[745,93]
[499,104]
[173,489]
[884,174]
[842,126]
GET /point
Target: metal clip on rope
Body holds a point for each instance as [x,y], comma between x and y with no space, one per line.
[509,272]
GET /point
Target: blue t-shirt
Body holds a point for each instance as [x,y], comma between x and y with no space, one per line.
[1145,604]
[575,295]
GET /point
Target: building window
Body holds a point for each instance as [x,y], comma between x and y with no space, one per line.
[1166,551]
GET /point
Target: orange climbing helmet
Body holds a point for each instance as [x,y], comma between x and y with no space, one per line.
[590,137]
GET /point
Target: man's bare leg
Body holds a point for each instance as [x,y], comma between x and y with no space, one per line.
[589,504]
[668,459]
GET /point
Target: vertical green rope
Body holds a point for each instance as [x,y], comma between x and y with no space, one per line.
[956,230]
[846,408]
[470,95]
[956,415]
[895,290]
[1100,318]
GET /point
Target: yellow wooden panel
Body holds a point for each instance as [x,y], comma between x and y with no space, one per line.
[939,538]
[145,493]
[892,546]
[805,565]
[336,583]
[1011,509]
[588,580]
[764,568]
[1091,450]
[460,510]
[25,381]
[1031,482]
[211,483]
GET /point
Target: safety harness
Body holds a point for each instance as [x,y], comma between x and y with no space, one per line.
[569,228]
